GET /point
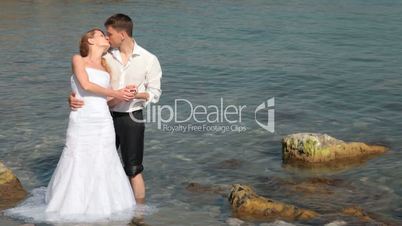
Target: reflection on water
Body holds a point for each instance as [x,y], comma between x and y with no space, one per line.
[333,67]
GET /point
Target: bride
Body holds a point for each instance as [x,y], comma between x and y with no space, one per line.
[89,182]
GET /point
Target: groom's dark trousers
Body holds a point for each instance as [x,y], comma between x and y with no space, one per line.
[130,139]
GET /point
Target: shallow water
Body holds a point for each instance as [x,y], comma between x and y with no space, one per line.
[333,67]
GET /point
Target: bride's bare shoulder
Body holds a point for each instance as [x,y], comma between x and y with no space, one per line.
[77,59]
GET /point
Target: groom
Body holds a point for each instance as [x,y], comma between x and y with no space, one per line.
[129,64]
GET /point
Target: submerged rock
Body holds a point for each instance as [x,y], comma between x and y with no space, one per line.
[315,148]
[11,190]
[205,188]
[313,186]
[368,217]
[247,204]
[356,212]
[228,164]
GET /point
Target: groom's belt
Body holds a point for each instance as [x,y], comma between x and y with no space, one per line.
[117,114]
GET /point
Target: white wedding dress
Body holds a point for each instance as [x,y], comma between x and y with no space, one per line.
[89,183]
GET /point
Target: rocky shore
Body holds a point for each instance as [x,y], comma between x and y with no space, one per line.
[312,151]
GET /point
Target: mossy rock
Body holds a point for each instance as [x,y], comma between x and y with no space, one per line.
[246,204]
[313,148]
[11,190]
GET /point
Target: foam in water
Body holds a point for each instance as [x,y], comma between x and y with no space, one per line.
[32,210]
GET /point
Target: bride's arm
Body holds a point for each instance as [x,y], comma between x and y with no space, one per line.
[112,101]
[78,68]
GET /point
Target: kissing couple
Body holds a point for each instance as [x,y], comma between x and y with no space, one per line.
[113,79]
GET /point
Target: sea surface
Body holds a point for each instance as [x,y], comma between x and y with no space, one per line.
[331,66]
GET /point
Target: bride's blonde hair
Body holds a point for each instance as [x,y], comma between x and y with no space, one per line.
[84,46]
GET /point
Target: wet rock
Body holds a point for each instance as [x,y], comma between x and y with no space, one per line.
[247,204]
[11,190]
[315,148]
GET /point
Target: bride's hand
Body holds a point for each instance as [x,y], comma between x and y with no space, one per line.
[124,94]
[132,88]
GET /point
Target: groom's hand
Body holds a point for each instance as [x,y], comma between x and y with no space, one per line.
[74,102]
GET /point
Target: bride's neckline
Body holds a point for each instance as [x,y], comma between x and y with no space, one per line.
[96,69]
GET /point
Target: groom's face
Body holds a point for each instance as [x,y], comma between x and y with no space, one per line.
[115,37]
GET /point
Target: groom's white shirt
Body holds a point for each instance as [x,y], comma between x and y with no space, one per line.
[142,69]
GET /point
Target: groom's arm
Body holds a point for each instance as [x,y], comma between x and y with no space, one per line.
[153,83]
[74,102]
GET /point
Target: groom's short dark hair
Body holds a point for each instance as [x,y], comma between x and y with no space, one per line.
[121,22]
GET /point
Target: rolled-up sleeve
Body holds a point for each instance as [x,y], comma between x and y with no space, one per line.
[153,81]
